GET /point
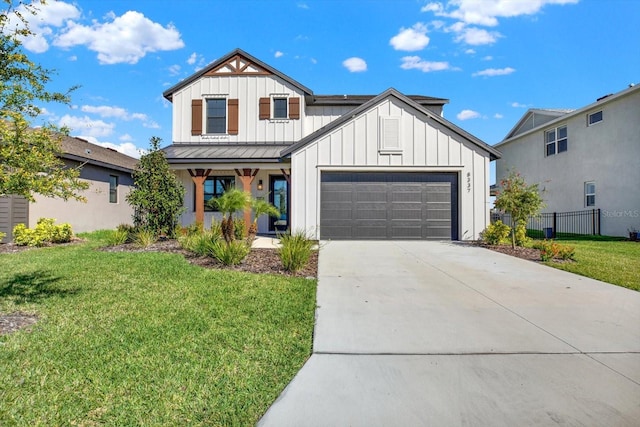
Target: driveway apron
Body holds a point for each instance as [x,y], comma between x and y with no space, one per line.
[444,333]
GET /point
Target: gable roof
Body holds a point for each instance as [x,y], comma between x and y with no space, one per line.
[543,115]
[83,151]
[361,99]
[235,62]
[561,115]
[391,92]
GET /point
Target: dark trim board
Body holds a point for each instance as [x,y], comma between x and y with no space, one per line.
[388,205]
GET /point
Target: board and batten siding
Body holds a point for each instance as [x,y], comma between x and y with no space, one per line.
[247,90]
[426,146]
[14,210]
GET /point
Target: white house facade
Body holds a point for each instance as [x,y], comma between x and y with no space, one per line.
[583,159]
[337,167]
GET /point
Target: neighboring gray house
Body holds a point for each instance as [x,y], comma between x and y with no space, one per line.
[583,159]
[338,166]
[109,174]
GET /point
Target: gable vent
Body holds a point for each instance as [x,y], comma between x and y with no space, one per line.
[390,140]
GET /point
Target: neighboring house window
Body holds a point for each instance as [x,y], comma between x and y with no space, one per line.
[589,194]
[280,108]
[594,118]
[215,186]
[113,189]
[216,115]
[556,140]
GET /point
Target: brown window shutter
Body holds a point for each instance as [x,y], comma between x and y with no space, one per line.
[196,117]
[265,108]
[232,107]
[294,108]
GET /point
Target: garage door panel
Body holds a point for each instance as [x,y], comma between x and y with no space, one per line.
[388,205]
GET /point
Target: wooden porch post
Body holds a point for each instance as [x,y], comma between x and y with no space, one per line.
[199,176]
[246,178]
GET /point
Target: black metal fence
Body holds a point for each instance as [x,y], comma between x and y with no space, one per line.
[550,225]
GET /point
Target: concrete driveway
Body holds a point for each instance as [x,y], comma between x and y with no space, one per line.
[447,334]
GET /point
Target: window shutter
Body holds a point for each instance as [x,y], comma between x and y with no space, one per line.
[232,107]
[294,108]
[265,108]
[196,117]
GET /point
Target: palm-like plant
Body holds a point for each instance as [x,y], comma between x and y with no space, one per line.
[229,203]
[260,207]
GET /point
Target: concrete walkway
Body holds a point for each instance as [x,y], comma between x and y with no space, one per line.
[446,334]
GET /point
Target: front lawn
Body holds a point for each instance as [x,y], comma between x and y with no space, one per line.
[610,260]
[146,339]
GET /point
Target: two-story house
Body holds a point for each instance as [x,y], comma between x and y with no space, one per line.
[338,167]
[583,159]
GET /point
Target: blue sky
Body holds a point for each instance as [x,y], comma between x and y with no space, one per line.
[492,58]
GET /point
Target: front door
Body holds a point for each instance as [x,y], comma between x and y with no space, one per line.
[279,197]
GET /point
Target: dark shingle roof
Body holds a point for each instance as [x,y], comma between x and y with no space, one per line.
[78,149]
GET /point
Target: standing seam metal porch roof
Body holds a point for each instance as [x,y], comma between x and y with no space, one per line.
[237,153]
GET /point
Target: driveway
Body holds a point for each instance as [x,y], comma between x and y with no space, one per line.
[447,334]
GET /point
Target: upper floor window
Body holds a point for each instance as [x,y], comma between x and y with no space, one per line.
[280,108]
[589,194]
[113,189]
[594,118]
[216,115]
[556,140]
[215,186]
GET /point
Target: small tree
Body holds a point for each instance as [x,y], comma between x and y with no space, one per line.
[260,207]
[231,201]
[29,157]
[519,200]
[157,197]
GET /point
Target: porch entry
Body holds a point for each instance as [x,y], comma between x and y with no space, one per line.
[279,197]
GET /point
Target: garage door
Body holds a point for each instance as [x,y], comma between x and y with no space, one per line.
[378,205]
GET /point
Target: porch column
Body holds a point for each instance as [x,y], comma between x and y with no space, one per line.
[246,178]
[199,176]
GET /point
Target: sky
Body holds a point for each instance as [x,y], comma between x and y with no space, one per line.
[493,59]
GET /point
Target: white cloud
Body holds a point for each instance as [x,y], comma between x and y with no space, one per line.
[411,39]
[192,58]
[488,58]
[487,12]
[314,61]
[476,36]
[106,111]
[302,5]
[86,126]
[491,72]
[127,148]
[278,54]
[174,70]
[470,52]
[48,17]
[518,105]
[126,39]
[415,62]
[355,64]
[498,116]
[467,114]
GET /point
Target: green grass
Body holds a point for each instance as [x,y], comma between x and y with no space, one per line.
[146,339]
[611,260]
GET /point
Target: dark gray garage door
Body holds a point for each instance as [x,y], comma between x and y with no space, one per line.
[378,205]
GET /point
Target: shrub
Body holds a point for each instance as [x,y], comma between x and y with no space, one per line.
[231,253]
[295,250]
[194,229]
[144,238]
[2,235]
[496,233]
[239,228]
[117,237]
[200,244]
[129,230]
[44,232]
[216,228]
[521,235]
[550,250]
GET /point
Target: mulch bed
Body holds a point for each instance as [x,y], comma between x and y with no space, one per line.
[259,260]
[530,254]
